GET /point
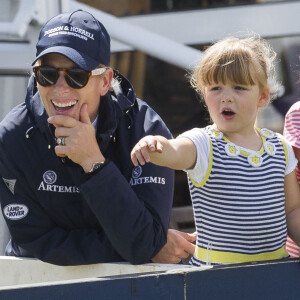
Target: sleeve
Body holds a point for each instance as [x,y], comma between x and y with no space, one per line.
[292,160]
[202,143]
[35,234]
[291,129]
[135,213]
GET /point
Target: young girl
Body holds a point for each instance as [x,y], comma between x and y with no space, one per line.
[242,179]
[292,135]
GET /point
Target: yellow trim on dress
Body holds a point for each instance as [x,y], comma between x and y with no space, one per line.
[244,153]
[284,147]
[201,184]
[233,258]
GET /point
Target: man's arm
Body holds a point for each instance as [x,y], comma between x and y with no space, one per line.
[134,215]
[37,235]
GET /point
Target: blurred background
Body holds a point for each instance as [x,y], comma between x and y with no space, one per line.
[154,44]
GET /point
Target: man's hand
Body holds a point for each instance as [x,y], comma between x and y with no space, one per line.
[179,246]
[80,140]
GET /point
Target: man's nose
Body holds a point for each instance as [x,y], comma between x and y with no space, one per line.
[61,81]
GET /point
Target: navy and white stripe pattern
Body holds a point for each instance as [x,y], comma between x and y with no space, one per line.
[241,208]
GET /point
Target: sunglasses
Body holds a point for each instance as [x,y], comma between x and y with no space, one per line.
[76,78]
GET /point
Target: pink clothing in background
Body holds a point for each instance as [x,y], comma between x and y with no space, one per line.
[292,134]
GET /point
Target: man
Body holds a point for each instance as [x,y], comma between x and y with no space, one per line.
[70,194]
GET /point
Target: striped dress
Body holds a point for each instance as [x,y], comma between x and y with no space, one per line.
[292,134]
[239,206]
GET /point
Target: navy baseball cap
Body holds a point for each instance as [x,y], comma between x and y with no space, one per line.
[79,36]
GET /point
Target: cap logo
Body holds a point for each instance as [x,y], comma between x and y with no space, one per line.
[72,30]
[77,35]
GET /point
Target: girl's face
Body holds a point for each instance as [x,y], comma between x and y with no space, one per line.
[233,107]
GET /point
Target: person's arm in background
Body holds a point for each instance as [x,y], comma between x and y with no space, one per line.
[292,204]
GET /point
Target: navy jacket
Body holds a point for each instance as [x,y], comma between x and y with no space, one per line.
[58,215]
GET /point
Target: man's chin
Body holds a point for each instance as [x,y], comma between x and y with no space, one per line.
[66,114]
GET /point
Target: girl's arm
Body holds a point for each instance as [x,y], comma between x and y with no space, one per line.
[292,206]
[176,154]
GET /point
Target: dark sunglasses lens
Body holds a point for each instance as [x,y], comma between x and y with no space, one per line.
[77,78]
[46,76]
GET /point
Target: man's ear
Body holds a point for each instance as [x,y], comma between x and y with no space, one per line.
[106,81]
[264,97]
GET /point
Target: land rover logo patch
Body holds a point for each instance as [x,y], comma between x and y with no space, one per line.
[15,211]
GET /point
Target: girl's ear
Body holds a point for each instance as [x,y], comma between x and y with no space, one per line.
[106,81]
[264,97]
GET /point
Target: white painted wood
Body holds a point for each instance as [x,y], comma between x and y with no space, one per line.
[19,271]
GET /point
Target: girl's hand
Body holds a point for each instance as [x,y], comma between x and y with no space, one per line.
[140,152]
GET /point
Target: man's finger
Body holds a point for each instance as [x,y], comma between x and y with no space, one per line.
[61,151]
[63,131]
[186,240]
[190,248]
[60,120]
[190,237]
[166,259]
[84,116]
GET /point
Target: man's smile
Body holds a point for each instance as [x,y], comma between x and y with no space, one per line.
[63,106]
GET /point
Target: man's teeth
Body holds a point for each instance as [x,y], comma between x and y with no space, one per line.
[64,104]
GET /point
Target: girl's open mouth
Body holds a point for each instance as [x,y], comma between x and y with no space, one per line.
[228,113]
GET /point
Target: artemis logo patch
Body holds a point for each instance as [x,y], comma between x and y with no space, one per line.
[15,211]
[50,177]
[136,179]
[137,172]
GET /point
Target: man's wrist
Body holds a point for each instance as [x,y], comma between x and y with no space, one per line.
[96,165]
[88,163]
[96,168]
